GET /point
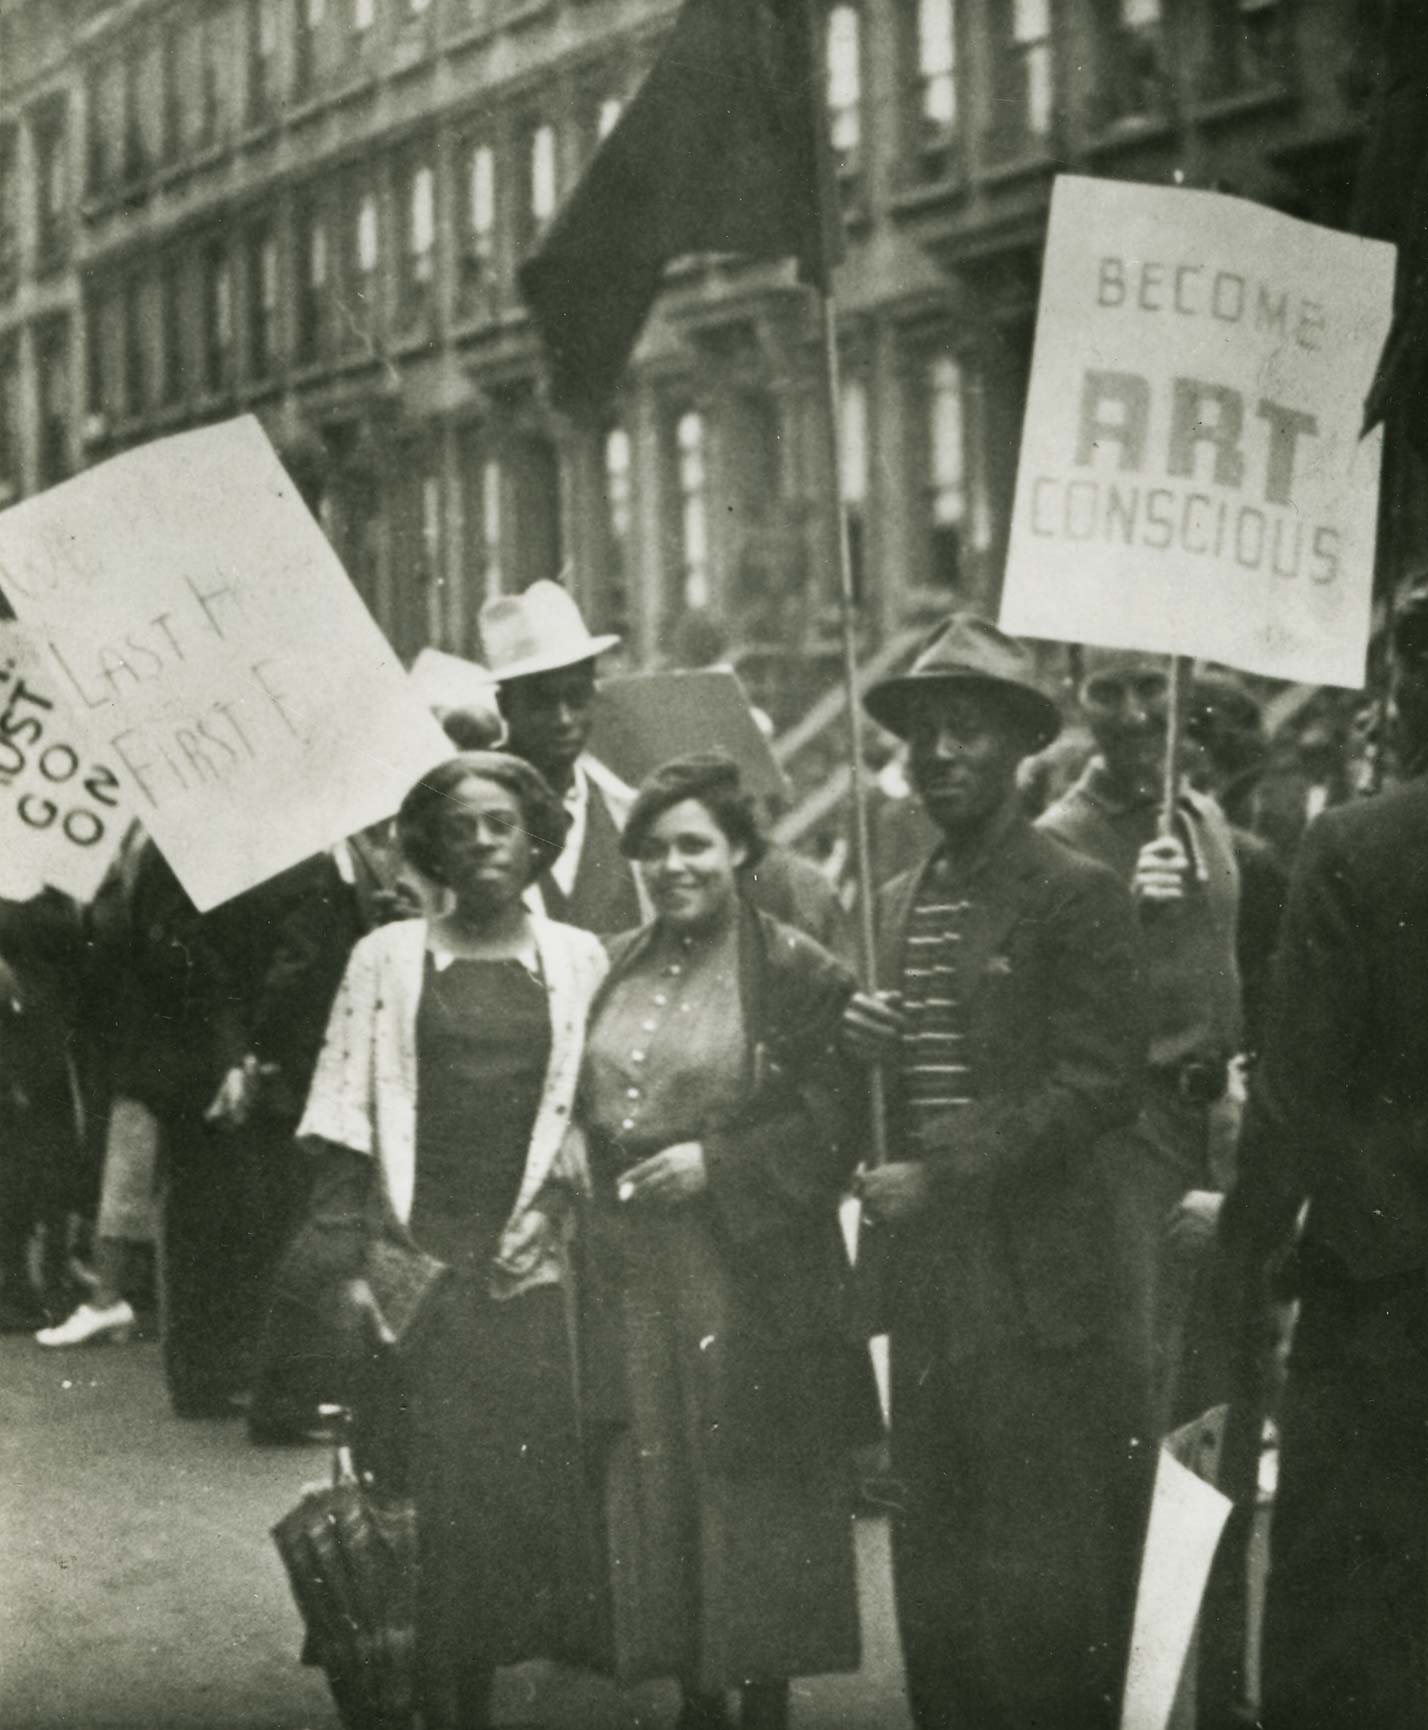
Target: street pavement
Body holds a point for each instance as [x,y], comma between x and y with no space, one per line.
[140,1590]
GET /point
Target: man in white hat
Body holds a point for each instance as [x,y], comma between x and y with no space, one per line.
[542,656]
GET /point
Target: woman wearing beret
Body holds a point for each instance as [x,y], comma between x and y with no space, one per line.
[441,1106]
[718,1370]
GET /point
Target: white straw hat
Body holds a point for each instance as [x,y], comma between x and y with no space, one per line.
[536,632]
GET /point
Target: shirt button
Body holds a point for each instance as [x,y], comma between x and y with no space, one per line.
[647,1027]
[629,1123]
[675,969]
[661,999]
[632,1093]
[637,1056]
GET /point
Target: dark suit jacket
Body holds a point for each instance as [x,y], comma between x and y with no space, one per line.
[1339,1106]
[1056,1047]
[604,898]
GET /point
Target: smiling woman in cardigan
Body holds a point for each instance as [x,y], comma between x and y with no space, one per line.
[441,1107]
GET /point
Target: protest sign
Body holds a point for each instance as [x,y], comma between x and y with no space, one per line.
[1187,1516]
[1192,479]
[62,811]
[644,719]
[194,618]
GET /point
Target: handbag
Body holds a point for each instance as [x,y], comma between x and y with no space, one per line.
[351,1560]
[403,1279]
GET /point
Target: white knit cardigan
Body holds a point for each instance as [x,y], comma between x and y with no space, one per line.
[363,1093]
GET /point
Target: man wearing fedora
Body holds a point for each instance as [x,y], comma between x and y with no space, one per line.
[1009,1039]
[542,656]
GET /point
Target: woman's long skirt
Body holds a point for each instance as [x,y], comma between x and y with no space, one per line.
[722,1569]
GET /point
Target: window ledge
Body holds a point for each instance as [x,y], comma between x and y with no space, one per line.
[1234,104]
[415,340]
[1130,131]
[926,195]
[318,102]
[525,12]
[1034,162]
[259,389]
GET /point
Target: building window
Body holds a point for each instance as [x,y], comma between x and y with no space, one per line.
[96,373]
[946,471]
[262,303]
[171,310]
[1140,85]
[937,103]
[419,258]
[1250,46]
[365,248]
[361,254]
[543,177]
[312,285]
[136,372]
[9,212]
[217,319]
[210,80]
[853,474]
[491,490]
[106,125]
[845,84]
[1034,51]
[262,58]
[618,514]
[171,91]
[51,185]
[307,23]
[478,252]
[9,426]
[693,509]
[53,368]
[135,153]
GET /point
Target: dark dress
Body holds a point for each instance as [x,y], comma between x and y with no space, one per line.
[495,1463]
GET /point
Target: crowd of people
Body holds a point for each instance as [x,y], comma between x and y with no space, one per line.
[522,1128]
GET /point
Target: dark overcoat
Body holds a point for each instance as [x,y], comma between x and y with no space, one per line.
[1055,1043]
[790,1380]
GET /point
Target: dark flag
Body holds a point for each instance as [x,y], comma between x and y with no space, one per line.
[724,149]
[1391,203]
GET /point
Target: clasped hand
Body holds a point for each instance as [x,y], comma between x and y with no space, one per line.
[873,1024]
[666,1178]
[1162,870]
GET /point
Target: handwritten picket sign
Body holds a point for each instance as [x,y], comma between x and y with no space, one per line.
[63,811]
[193,616]
[1192,480]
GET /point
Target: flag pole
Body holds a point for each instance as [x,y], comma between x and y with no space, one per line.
[1174,742]
[848,617]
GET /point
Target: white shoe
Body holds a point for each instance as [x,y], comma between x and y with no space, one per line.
[114,1322]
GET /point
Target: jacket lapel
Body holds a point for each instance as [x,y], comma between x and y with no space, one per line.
[999,900]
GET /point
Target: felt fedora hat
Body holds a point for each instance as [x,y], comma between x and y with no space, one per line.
[536,632]
[967,650]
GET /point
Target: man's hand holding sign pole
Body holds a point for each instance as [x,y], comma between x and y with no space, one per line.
[1192,483]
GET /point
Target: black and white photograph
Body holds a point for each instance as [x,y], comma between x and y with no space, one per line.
[713,865]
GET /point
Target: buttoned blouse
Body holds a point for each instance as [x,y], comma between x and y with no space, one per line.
[665,1058]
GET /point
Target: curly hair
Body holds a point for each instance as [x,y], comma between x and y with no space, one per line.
[543,816]
[713,779]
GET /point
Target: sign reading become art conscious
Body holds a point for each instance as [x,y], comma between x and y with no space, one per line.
[1192,479]
[194,619]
